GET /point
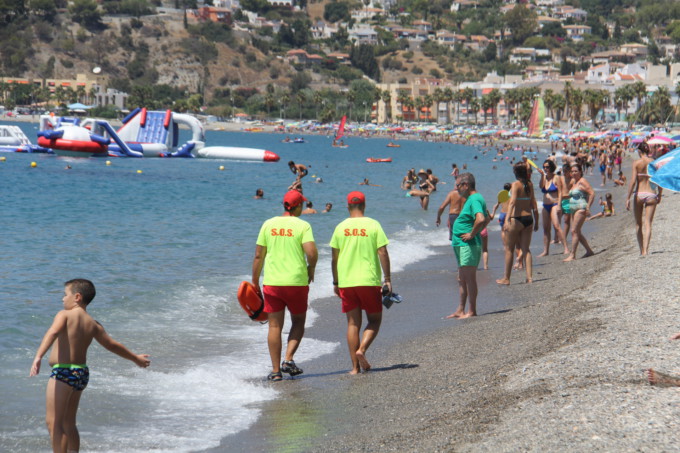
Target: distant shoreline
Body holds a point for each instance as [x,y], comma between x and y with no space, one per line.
[235,126]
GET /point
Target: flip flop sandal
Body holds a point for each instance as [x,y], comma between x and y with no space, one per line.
[275,376]
[290,368]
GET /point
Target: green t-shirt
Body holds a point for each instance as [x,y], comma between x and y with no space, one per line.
[285,263]
[358,240]
[466,220]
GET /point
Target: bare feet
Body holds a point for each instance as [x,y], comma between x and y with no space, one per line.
[354,371]
[661,379]
[569,258]
[676,336]
[555,241]
[591,253]
[362,361]
[503,281]
[456,314]
[529,280]
[468,315]
[543,254]
[566,252]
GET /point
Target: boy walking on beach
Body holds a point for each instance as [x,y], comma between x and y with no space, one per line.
[359,250]
[71,333]
[282,246]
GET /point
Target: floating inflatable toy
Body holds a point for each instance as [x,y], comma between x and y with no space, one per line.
[13,140]
[374,160]
[67,137]
[156,134]
[231,152]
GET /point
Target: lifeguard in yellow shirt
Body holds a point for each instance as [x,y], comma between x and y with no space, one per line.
[359,250]
[286,249]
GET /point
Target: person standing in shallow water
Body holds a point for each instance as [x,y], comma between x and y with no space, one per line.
[467,243]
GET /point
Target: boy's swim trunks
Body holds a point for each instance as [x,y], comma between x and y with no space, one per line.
[77,376]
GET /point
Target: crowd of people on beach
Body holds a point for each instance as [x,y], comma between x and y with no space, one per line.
[286,252]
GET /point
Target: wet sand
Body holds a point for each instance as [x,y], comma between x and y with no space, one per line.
[552,366]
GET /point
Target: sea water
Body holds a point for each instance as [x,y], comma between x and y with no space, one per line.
[166,242]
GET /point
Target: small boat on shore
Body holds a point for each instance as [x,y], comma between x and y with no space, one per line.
[375,160]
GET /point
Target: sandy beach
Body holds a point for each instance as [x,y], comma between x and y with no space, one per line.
[559,366]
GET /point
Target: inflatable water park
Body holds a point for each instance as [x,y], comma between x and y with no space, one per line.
[144,133]
[13,140]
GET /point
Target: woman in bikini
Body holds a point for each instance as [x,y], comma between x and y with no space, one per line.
[552,187]
[565,213]
[425,188]
[646,199]
[519,223]
[581,198]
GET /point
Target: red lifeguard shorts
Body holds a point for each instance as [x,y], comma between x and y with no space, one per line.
[367,298]
[276,298]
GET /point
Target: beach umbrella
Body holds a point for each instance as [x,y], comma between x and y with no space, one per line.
[659,141]
[665,171]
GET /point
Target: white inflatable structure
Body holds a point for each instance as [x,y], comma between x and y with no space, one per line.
[156,134]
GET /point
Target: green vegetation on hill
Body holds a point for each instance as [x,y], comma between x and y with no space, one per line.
[180,64]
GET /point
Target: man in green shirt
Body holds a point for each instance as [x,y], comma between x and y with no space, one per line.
[359,250]
[467,243]
[282,246]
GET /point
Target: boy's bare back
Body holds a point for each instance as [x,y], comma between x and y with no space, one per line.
[76,331]
[71,334]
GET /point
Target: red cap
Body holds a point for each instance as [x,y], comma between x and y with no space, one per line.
[292,199]
[356,197]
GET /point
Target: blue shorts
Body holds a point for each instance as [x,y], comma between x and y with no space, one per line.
[77,376]
[468,255]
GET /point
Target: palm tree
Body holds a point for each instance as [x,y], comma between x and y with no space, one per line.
[559,104]
[351,98]
[457,98]
[387,99]
[284,100]
[568,89]
[300,98]
[80,93]
[495,97]
[620,100]
[474,106]
[548,97]
[269,103]
[429,100]
[448,97]
[419,104]
[467,96]
[639,90]
[658,108]
[577,103]
[318,101]
[512,98]
[437,98]
[402,97]
[486,104]
[596,100]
